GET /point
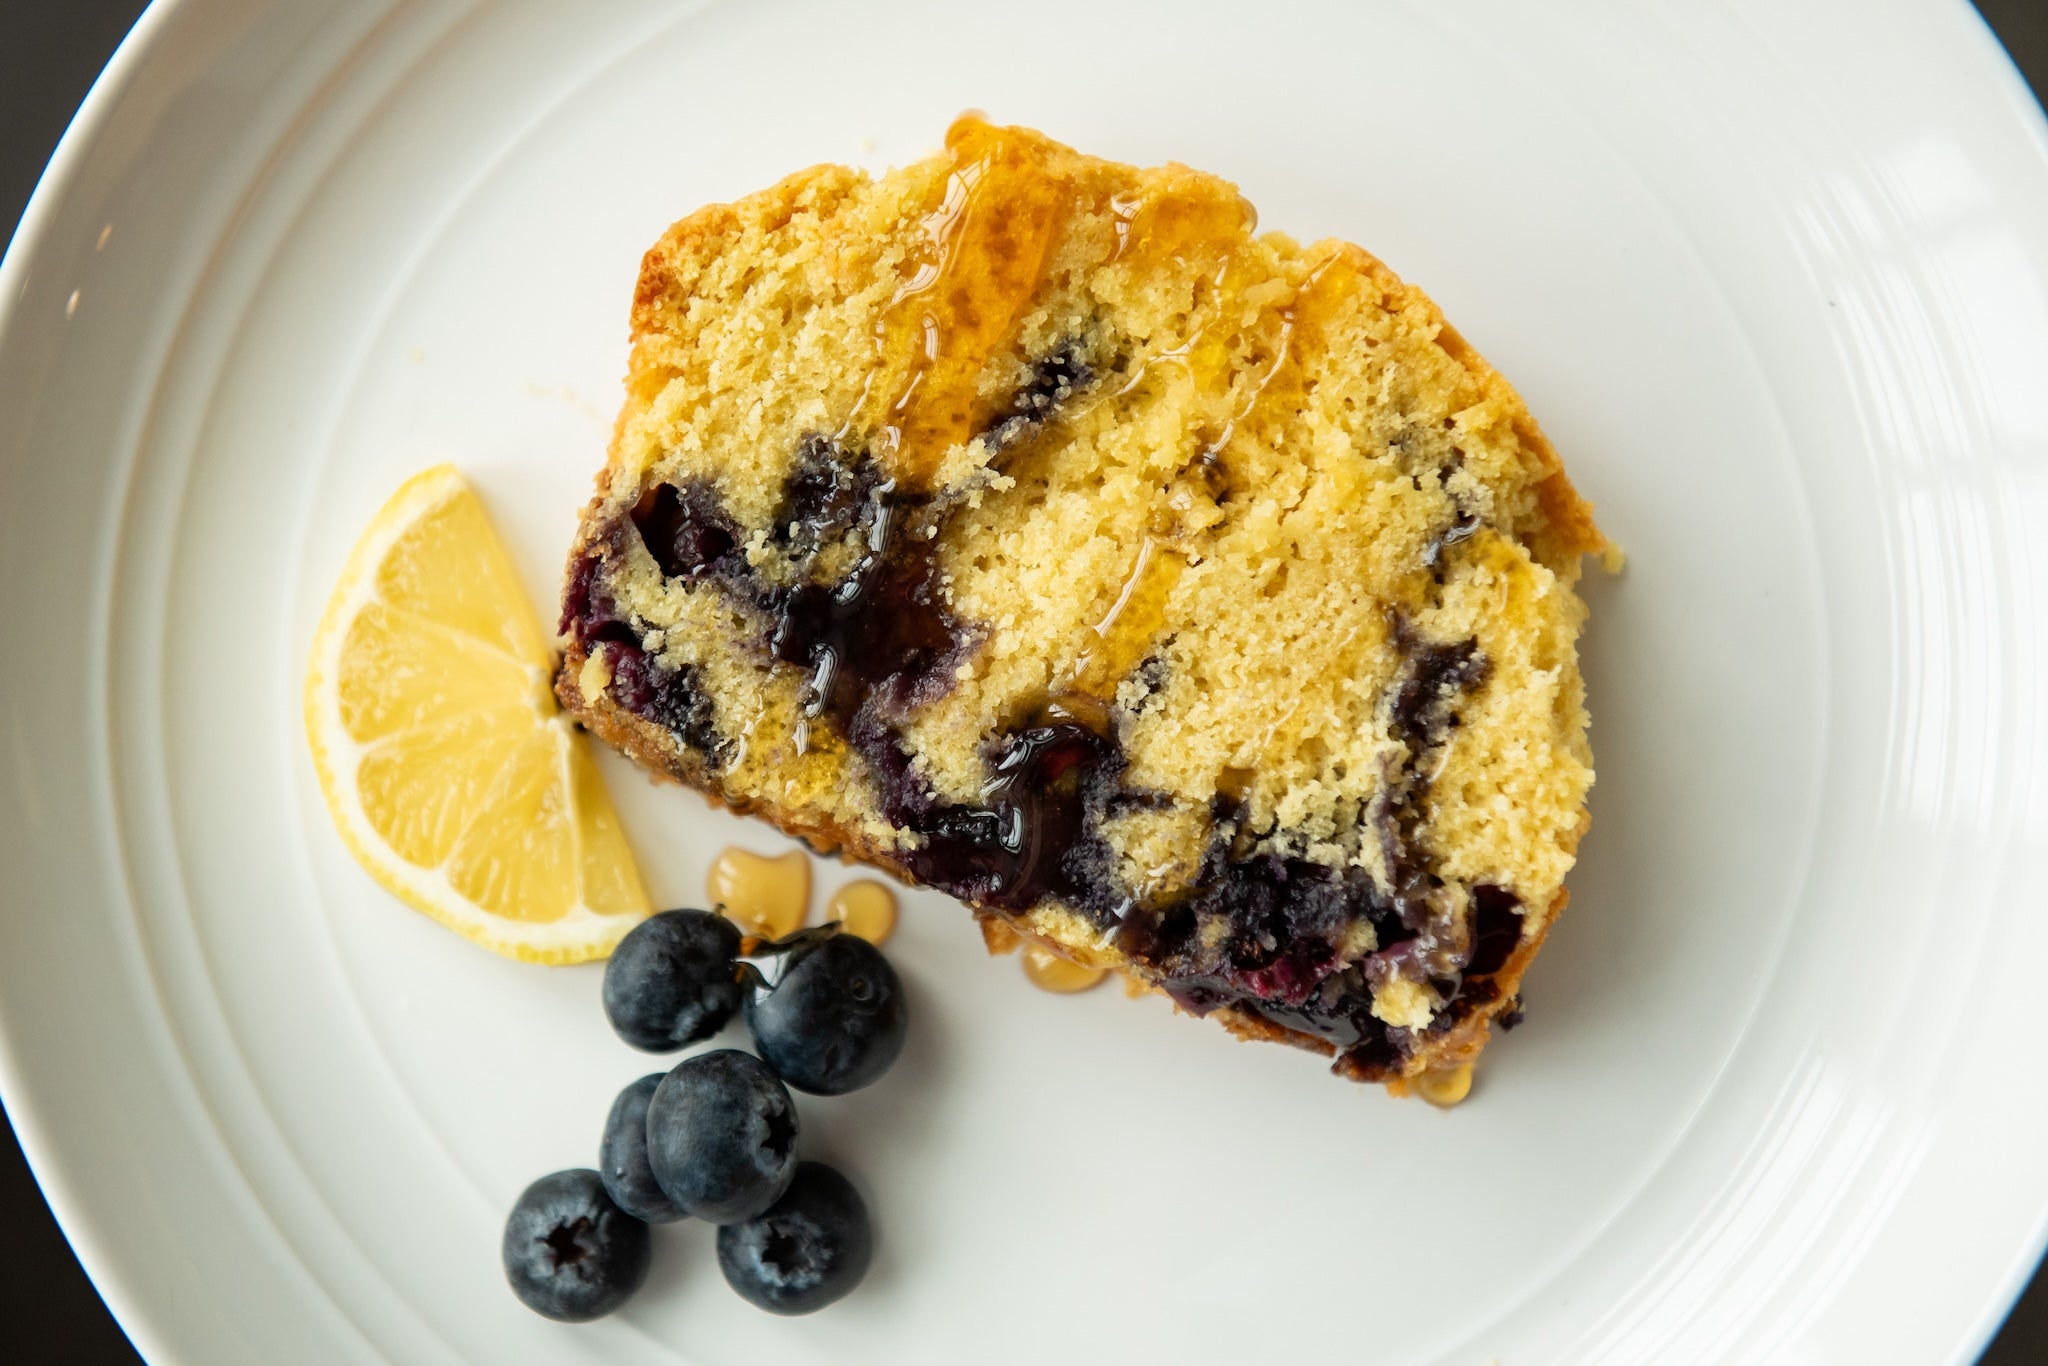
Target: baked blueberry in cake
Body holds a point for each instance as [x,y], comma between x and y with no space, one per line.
[1194,601]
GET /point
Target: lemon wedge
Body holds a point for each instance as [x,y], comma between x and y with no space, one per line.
[450,771]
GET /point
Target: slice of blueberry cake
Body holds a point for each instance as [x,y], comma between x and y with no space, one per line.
[1195,601]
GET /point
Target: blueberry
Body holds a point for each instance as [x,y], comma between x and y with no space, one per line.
[807,1250]
[835,1018]
[721,1136]
[671,980]
[622,1157]
[570,1253]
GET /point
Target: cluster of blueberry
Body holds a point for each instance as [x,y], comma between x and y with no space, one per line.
[715,1137]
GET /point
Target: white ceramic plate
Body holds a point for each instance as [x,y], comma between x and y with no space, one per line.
[1774,278]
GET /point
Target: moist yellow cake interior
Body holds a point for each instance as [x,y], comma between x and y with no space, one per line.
[1278,469]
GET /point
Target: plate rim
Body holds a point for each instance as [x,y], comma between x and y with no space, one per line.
[59,174]
[70,158]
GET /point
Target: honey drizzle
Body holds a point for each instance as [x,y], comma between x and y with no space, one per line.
[1320,290]
[1176,226]
[1118,642]
[1179,222]
[1203,223]
[986,247]
[1187,226]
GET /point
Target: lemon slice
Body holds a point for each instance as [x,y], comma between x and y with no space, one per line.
[446,764]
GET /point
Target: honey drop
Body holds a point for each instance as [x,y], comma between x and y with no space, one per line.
[764,896]
[1048,971]
[1444,1087]
[866,908]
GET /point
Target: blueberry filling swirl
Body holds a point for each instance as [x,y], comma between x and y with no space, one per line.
[858,610]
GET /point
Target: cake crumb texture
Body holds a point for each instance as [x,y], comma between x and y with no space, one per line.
[1196,601]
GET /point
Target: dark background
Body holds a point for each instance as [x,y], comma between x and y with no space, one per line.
[50,51]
